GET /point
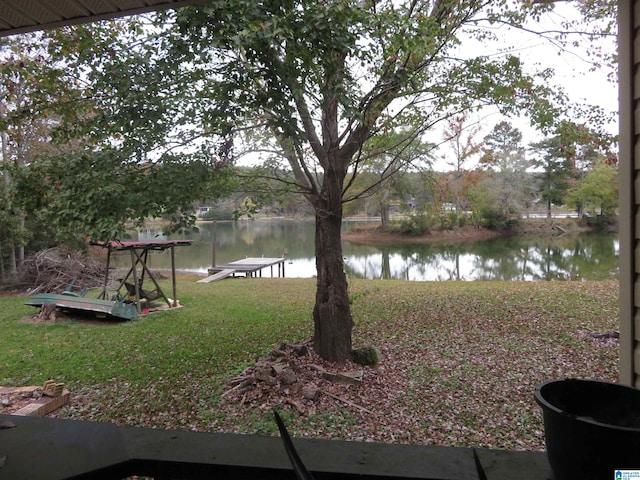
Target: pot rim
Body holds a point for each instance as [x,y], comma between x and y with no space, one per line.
[545,404]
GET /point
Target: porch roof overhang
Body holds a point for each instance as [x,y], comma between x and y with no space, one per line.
[22,16]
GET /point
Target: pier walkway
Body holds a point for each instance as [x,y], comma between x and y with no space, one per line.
[251,267]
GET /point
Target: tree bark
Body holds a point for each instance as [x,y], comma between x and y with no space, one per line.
[384,217]
[332,313]
[549,207]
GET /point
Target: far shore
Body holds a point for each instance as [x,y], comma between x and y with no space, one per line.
[371,232]
[367,230]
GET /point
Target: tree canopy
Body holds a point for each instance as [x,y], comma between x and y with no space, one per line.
[319,84]
[67,172]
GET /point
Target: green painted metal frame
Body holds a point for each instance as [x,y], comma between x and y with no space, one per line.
[114,309]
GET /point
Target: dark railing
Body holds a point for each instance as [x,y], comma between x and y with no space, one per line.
[33,448]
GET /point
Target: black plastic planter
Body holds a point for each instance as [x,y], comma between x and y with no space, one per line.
[592,428]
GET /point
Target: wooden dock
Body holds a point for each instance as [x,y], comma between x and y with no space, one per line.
[251,267]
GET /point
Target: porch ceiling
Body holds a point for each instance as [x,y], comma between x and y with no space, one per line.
[20,16]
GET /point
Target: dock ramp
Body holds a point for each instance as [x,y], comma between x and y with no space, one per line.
[218,276]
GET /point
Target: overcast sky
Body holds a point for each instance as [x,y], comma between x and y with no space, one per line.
[573,72]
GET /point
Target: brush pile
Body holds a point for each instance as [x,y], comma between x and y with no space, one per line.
[55,269]
[294,376]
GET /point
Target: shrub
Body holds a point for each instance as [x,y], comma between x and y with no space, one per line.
[417,223]
[368,356]
[219,213]
[452,220]
[599,222]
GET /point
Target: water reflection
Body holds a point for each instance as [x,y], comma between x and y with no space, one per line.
[585,257]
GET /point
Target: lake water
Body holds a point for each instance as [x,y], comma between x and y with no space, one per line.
[583,257]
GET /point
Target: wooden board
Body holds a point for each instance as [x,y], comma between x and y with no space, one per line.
[218,276]
[44,405]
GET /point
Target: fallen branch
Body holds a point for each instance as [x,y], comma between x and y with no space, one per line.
[244,383]
[345,401]
[301,410]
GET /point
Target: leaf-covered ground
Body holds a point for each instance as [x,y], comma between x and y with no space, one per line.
[459,364]
[460,360]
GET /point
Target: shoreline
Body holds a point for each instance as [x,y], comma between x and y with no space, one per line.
[370,233]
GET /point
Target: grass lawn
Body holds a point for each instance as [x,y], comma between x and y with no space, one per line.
[459,364]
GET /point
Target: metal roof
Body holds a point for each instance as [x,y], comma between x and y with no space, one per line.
[20,16]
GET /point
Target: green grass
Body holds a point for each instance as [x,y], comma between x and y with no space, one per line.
[219,327]
[451,340]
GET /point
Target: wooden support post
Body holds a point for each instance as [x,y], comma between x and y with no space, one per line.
[173,277]
[134,272]
[103,295]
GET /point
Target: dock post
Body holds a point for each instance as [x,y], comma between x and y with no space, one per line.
[213,242]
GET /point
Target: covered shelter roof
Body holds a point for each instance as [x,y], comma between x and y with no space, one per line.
[149,245]
[133,281]
[22,16]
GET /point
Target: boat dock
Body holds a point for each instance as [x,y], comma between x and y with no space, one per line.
[251,267]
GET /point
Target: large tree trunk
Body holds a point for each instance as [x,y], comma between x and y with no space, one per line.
[331,314]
